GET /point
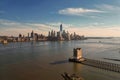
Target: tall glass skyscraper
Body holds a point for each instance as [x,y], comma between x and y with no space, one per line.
[61,28]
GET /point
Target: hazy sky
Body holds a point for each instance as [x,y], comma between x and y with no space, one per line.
[85,17]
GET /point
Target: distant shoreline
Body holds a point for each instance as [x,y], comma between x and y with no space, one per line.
[100,37]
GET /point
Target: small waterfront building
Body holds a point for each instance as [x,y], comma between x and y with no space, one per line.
[5,42]
[19,39]
[1,40]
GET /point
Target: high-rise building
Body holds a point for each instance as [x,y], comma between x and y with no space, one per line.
[59,36]
[52,33]
[68,36]
[32,34]
[49,34]
[61,28]
[20,35]
[28,35]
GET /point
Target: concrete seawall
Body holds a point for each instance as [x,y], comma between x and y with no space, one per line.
[99,64]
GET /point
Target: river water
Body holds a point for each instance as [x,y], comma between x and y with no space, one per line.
[48,60]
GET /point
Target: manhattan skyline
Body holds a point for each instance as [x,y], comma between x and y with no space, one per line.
[86,17]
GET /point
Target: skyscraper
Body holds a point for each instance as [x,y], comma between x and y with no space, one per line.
[32,34]
[61,28]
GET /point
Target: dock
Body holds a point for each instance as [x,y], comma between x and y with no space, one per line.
[94,63]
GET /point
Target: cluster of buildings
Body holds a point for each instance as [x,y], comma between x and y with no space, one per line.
[31,37]
[63,35]
[52,36]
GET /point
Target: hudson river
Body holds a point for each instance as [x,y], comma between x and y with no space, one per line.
[48,60]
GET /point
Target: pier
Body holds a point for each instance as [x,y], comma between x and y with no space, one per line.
[77,57]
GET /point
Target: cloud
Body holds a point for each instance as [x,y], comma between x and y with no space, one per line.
[39,26]
[107,7]
[18,25]
[6,24]
[57,24]
[8,27]
[92,13]
[78,11]
[97,24]
[105,31]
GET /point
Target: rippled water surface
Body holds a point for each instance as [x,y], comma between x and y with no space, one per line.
[48,60]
